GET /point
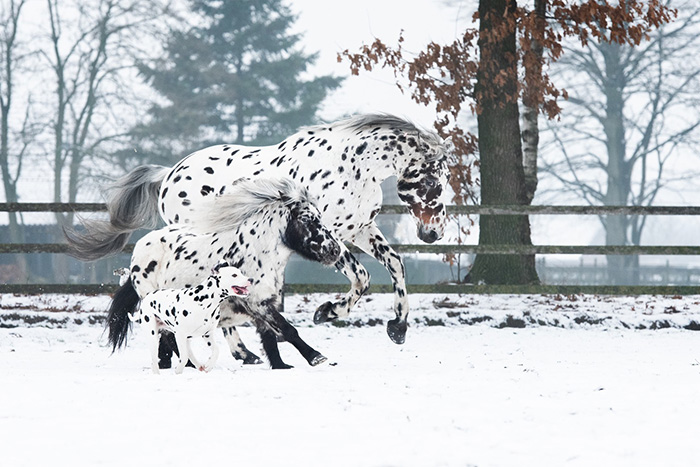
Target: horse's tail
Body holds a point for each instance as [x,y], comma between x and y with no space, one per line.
[123,304]
[132,204]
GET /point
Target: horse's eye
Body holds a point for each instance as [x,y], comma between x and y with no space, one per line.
[430,183]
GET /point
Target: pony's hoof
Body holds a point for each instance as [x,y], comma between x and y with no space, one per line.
[248,358]
[317,360]
[164,363]
[252,359]
[325,313]
[397,330]
[281,366]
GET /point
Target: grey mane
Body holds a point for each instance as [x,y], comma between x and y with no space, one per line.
[245,199]
[435,144]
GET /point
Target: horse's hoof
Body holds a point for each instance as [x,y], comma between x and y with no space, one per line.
[252,359]
[397,330]
[281,366]
[317,360]
[164,364]
[324,313]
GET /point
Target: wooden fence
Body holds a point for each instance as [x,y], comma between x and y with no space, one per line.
[58,248]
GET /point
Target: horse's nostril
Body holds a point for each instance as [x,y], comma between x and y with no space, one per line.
[433,236]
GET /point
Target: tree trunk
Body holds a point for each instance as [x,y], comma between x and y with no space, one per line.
[500,151]
[620,268]
[531,101]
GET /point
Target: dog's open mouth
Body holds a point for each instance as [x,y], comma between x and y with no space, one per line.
[240,291]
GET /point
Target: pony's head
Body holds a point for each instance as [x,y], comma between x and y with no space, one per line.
[306,234]
[421,183]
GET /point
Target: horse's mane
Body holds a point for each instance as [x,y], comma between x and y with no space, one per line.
[245,199]
[368,121]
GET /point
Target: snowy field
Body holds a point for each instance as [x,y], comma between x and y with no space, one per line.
[481,380]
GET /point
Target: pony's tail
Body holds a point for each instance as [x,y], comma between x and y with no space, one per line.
[123,304]
[132,204]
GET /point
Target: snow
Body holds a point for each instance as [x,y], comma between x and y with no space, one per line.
[592,386]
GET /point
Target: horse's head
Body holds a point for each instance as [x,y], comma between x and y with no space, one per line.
[306,234]
[420,185]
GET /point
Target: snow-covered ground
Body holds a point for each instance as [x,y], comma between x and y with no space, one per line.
[481,380]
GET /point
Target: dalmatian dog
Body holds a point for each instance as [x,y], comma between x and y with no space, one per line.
[190,312]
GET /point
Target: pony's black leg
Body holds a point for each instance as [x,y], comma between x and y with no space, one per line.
[269,343]
[166,347]
[291,335]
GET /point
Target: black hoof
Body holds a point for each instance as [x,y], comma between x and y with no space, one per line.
[397,330]
[164,364]
[317,360]
[324,313]
[281,366]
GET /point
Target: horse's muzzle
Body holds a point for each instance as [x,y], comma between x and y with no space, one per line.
[428,235]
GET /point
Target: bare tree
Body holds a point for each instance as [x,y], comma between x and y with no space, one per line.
[91,56]
[16,130]
[624,123]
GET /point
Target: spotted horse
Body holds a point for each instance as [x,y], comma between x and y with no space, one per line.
[342,164]
[254,227]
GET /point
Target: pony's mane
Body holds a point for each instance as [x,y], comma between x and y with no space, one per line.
[369,121]
[245,199]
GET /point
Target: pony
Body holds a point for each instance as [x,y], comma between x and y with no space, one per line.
[342,164]
[255,227]
[190,312]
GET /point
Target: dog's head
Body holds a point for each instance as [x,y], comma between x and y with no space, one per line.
[232,280]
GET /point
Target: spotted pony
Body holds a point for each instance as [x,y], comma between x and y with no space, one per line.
[255,227]
[341,164]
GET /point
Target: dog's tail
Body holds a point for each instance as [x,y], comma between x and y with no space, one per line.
[123,304]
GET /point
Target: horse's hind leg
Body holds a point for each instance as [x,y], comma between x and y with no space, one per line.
[166,347]
[230,313]
[238,348]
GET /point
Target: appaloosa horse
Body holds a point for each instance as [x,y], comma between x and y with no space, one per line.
[342,164]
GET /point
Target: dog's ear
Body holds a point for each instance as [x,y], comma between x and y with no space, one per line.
[219,265]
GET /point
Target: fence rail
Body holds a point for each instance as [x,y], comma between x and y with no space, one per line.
[419,248]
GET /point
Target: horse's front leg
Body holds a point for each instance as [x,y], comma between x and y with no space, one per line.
[372,241]
[268,316]
[359,284]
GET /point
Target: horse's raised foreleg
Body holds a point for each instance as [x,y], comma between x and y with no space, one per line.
[359,284]
[372,241]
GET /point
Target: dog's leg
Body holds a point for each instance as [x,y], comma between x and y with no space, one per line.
[183,346]
[152,327]
[211,343]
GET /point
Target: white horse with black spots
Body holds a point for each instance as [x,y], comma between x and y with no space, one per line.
[190,312]
[255,226]
[341,164]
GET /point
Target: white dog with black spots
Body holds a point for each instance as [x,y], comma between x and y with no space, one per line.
[190,312]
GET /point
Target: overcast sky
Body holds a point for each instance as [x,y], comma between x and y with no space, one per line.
[331,27]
